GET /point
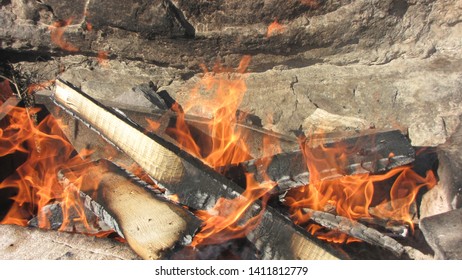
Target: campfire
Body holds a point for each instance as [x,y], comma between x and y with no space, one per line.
[197,164]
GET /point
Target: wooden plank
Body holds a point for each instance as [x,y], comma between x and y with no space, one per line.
[371,153]
[197,185]
[152,225]
[161,163]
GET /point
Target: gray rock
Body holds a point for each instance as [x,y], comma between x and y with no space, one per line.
[442,233]
[185,33]
[450,166]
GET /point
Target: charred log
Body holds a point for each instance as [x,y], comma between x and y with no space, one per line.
[364,233]
[365,154]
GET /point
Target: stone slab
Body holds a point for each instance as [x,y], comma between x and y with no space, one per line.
[443,234]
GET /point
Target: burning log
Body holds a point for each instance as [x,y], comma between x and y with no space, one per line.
[365,154]
[150,224]
[364,233]
[197,185]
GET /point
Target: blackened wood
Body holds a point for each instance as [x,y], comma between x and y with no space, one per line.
[200,187]
[151,224]
[365,154]
[362,232]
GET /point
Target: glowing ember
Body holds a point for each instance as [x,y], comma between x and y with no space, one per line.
[351,196]
[57,30]
[275,28]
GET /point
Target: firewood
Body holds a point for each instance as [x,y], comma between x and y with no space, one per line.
[362,232]
[151,225]
[158,161]
[197,185]
[369,154]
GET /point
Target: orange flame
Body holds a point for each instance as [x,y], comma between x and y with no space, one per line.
[229,219]
[275,28]
[36,181]
[224,90]
[152,125]
[224,93]
[352,196]
[233,218]
[57,30]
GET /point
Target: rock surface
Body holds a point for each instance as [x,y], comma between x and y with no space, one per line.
[185,33]
[447,195]
[442,233]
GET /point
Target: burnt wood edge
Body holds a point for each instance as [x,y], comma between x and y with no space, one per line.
[367,234]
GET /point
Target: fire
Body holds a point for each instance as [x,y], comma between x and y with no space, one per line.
[275,28]
[227,219]
[352,196]
[46,151]
[224,91]
[35,179]
[57,30]
[230,219]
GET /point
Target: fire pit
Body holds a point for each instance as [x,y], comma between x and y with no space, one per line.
[163,136]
